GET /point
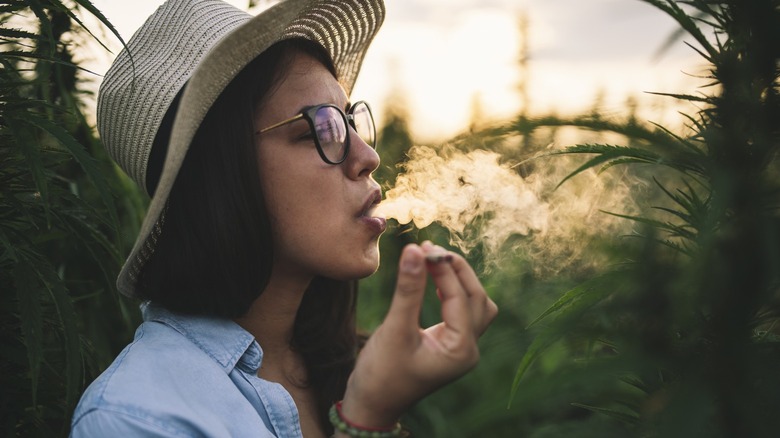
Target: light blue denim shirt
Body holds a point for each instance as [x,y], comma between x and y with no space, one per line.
[186,376]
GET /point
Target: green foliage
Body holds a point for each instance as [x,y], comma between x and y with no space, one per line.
[679,335]
[688,316]
[58,226]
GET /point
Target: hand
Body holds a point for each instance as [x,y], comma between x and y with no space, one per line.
[402,363]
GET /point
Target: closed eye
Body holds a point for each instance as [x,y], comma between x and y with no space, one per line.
[308,135]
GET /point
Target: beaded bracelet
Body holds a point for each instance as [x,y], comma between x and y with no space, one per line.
[343,425]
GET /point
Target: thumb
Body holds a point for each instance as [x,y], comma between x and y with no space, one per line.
[409,289]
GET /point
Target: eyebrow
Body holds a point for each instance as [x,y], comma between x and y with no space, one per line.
[302,109]
[306,107]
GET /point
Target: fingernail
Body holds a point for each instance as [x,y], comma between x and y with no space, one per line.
[410,263]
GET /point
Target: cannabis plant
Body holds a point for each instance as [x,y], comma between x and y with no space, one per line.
[680,336]
[59,221]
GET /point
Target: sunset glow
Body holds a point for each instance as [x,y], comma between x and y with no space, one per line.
[449,61]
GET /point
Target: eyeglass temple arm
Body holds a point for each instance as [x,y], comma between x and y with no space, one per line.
[283,122]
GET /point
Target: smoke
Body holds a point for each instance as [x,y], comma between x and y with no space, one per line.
[485,202]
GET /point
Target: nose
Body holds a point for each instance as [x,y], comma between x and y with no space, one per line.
[362,160]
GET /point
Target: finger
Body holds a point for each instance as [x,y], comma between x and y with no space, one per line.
[407,300]
[482,309]
[454,300]
[466,275]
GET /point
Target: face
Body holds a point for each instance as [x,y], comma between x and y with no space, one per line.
[321,214]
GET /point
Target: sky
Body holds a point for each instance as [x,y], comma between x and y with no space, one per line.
[448,57]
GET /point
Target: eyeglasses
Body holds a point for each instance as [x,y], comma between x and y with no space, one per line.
[329,124]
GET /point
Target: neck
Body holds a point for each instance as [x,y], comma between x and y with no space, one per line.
[271,320]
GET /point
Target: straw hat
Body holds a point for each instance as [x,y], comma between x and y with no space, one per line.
[205,44]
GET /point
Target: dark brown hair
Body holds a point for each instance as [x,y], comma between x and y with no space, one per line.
[215,252]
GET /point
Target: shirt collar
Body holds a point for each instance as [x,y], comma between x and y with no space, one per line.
[222,339]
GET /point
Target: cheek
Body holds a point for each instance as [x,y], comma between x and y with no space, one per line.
[303,200]
[313,221]
[296,188]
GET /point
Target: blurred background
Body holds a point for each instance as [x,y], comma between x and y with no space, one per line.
[609,167]
[452,62]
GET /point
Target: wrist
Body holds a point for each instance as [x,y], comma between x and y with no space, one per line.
[346,427]
[361,407]
[360,414]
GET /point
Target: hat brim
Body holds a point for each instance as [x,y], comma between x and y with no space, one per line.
[344,28]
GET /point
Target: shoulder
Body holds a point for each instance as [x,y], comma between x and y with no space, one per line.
[107,422]
[160,385]
[159,359]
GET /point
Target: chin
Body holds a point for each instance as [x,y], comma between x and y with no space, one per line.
[361,264]
[359,273]
[359,270]
[369,272]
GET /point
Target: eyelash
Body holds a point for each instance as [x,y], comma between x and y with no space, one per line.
[306,136]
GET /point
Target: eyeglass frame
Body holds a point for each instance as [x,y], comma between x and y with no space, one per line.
[308,114]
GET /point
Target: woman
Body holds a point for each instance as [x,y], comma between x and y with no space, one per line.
[260,171]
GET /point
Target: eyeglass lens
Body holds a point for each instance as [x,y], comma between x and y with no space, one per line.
[364,123]
[332,131]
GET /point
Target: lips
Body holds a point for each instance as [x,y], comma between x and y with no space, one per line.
[370,205]
[377,225]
